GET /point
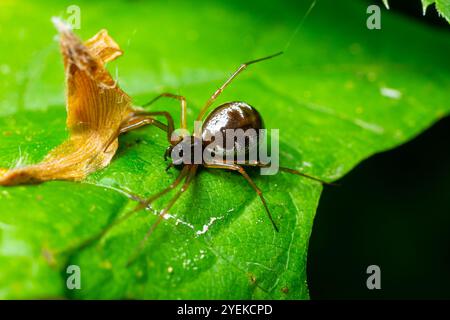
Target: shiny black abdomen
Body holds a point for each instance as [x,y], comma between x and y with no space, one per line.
[233,115]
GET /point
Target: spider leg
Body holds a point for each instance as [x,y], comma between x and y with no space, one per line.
[182,103]
[145,203]
[185,186]
[217,93]
[143,115]
[292,171]
[240,169]
[135,121]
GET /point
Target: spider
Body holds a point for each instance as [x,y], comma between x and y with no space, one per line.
[230,115]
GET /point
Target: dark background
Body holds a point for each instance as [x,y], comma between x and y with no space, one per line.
[393,210]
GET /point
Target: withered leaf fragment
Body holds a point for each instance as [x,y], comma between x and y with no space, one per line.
[96,107]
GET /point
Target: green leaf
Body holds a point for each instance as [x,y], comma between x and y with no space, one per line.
[339,94]
[442,6]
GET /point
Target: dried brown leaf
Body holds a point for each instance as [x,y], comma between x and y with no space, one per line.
[96,107]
